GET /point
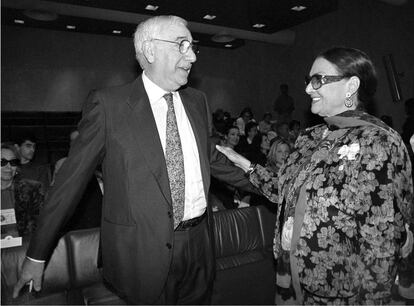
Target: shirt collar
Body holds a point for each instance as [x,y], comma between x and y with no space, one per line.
[154,92]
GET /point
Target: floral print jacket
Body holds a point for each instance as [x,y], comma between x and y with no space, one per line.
[345,217]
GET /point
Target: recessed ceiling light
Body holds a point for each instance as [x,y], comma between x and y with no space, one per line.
[70,27]
[228,45]
[116,31]
[19,21]
[209,17]
[259,25]
[298,8]
[150,7]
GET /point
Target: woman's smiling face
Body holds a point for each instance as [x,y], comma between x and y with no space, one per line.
[328,100]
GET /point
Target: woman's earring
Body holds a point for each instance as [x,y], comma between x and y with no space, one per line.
[348,100]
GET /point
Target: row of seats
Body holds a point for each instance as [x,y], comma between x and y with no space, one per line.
[245,265]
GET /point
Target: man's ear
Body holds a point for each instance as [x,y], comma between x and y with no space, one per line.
[148,51]
[353,84]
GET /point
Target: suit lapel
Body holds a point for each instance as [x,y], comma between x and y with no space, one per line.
[147,136]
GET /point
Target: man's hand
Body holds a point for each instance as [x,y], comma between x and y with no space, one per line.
[31,270]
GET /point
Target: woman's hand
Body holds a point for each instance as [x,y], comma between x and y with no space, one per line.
[239,160]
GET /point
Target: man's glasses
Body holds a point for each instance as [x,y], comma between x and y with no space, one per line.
[13,162]
[183,46]
[318,80]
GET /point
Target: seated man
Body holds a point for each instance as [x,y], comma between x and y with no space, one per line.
[26,149]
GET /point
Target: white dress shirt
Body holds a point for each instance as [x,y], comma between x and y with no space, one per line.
[195,200]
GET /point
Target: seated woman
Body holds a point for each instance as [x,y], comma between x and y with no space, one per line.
[345,195]
[278,153]
[24,196]
[231,137]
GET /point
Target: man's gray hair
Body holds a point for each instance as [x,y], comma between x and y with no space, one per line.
[150,29]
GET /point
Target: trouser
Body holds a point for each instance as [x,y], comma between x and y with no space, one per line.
[190,279]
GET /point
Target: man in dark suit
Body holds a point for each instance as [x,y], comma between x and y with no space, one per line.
[156,225]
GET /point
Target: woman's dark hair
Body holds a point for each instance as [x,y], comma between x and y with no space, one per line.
[353,62]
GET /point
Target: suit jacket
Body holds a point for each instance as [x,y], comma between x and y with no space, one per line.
[119,131]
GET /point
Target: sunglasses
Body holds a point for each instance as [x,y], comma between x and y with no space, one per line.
[13,162]
[318,80]
[183,46]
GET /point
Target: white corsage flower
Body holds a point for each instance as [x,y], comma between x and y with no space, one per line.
[349,151]
[287,233]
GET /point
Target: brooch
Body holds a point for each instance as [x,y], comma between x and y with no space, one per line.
[349,151]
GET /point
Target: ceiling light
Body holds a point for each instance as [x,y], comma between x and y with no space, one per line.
[259,25]
[41,15]
[116,31]
[150,7]
[19,21]
[209,17]
[298,8]
[70,27]
[196,41]
[228,45]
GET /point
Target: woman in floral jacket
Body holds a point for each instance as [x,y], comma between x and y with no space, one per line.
[345,218]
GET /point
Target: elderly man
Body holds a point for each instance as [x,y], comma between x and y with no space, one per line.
[152,138]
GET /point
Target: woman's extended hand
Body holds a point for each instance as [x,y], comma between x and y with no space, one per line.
[239,160]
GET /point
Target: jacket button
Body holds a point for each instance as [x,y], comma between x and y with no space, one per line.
[168,245]
[170,214]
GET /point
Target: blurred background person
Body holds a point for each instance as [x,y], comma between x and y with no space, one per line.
[345,217]
[26,149]
[284,104]
[246,116]
[294,130]
[266,123]
[23,196]
[278,153]
[231,137]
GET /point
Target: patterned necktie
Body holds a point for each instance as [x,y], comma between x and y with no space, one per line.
[175,162]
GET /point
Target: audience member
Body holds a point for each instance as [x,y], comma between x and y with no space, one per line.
[266,123]
[345,195]
[278,153]
[249,144]
[284,105]
[23,196]
[294,130]
[155,237]
[231,137]
[26,148]
[282,130]
[246,116]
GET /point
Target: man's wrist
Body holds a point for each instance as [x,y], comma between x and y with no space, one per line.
[36,260]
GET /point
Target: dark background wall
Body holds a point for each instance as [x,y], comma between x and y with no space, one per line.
[45,70]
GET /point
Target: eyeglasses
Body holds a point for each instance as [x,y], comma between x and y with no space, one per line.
[183,46]
[13,162]
[318,80]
